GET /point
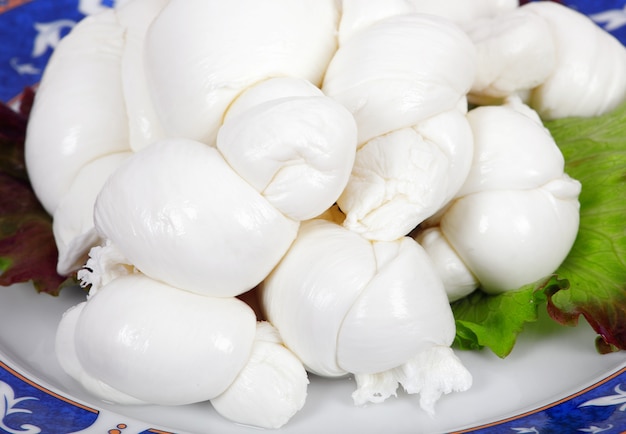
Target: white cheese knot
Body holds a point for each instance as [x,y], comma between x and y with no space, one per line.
[556,58]
[137,340]
[193,215]
[72,221]
[196,70]
[344,304]
[401,178]
[181,214]
[96,75]
[131,76]
[83,77]
[516,217]
[515,53]
[270,388]
[457,278]
[297,149]
[590,74]
[405,80]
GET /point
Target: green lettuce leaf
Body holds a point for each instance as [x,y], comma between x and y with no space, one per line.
[27,248]
[592,280]
[595,154]
[494,321]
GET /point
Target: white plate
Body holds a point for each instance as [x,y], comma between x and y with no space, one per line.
[540,386]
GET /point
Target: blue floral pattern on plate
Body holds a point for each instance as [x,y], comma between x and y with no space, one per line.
[29,408]
[598,408]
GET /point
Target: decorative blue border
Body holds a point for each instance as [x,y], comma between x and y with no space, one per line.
[598,408]
[26,407]
[29,408]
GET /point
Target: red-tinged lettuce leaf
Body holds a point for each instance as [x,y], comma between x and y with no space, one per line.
[495,321]
[27,248]
[595,154]
[592,280]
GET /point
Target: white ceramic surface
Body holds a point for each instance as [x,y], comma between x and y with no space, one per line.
[549,363]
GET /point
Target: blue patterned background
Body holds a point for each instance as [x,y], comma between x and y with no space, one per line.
[29,31]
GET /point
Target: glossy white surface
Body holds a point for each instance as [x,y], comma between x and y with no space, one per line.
[548,363]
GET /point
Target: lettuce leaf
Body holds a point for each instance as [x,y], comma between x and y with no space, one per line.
[595,154]
[592,280]
[27,248]
[494,321]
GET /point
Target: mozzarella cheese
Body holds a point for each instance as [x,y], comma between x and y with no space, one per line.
[199,140]
[177,347]
[358,14]
[193,82]
[83,77]
[72,221]
[144,126]
[404,78]
[400,71]
[516,218]
[401,178]
[515,52]
[270,389]
[181,215]
[297,151]
[512,150]
[457,278]
[590,74]
[347,305]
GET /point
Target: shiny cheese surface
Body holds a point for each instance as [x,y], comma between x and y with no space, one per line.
[193,82]
[516,217]
[509,238]
[84,78]
[400,71]
[515,52]
[526,159]
[358,307]
[302,299]
[590,74]
[144,125]
[402,310]
[401,178]
[297,151]
[180,214]
[357,14]
[377,310]
[270,389]
[72,222]
[177,347]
